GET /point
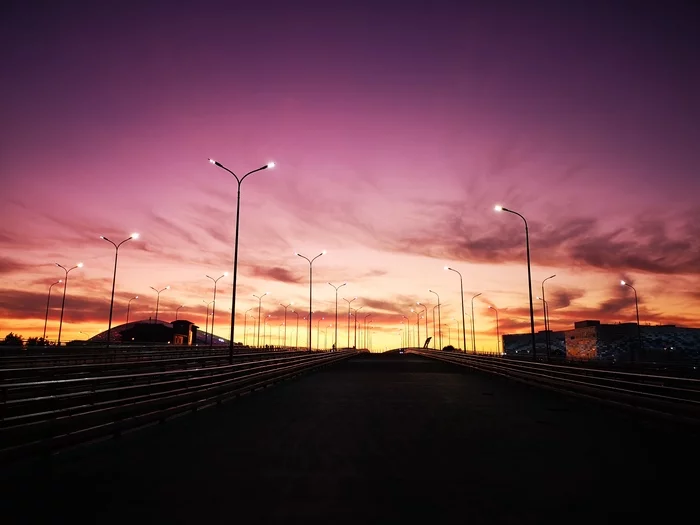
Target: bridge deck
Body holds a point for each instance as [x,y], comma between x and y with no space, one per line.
[376,439]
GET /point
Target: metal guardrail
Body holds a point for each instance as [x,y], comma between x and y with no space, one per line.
[678,397]
[44,416]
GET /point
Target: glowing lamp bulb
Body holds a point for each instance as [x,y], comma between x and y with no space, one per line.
[498,207]
[270,165]
[135,235]
[80,265]
[623,283]
[212,161]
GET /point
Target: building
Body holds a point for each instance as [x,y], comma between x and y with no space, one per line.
[521,344]
[181,332]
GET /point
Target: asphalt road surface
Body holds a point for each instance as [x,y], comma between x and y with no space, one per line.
[376,439]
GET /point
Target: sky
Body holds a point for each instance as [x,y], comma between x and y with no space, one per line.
[395,128]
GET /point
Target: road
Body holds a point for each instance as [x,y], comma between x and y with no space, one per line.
[376,439]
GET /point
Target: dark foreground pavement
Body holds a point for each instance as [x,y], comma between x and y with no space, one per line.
[377,439]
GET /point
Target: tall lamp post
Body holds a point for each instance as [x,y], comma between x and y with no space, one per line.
[259,298]
[408,331]
[426,320]
[529,278]
[128,308]
[546,316]
[213,309]
[114,279]
[318,331]
[48,300]
[245,327]
[498,333]
[296,332]
[285,322]
[461,288]
[206,329]
[235,250]
[335,342]
[311,284]
[636,306]
[158,300]
[417,325]
[177,310]
[365,336]
[474,324]
[349,302]
[354,341]
[63,302]
[439,318]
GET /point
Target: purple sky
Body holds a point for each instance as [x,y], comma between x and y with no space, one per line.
[395,127]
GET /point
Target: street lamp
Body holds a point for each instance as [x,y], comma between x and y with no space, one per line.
[48,300]
[158,300]
[546,315]
[426,320]
[213,310]
[296,332]
[128,308]
[63,302]
[285,321]
[461,288]
[474,325]
[114,279]
[529,278]
[268,316]
[365,336]
[408,331]
[349,301]
[245,326]
[498,333]
[439,319]
[311,281]
[177,311]
[354,341]
[636,305]
[418,326]
[259,298]
[318,329]
[335,342]
[206,329]
[235,251]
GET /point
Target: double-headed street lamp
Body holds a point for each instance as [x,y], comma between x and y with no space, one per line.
[128,308]
[114,279]
[335,342]
[311,284]
[461,288]
[48,300]
[285,322]
[529,277]
[426,320]
[235,251]
[213,307]
[636,306]
[349,301]
[63,302]
[158,300]
[439,319]
[474,324]
[259,298]
[498,334]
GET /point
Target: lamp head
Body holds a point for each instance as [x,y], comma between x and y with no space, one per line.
[136,297]
[623,283]
[135,236]
[270,165]
[323,252]
[60,280]
[498,207]
[167,287]
[225,274]
[79,265]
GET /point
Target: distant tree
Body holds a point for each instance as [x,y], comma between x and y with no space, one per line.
[449,348]
[13,339]
[37,341]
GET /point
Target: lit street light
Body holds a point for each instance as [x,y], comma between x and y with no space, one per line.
[439,319]
[426,321]
[461,288]
[335,342]
[114,279]
[245,325]
[48,300]
[529,277]
[235,251]
[474,325]
[213,308]
[296,332]
[546,315]
[408,331]
[318,331]
[498,333]
[349,301]
[158,300]
[206,329]
[63,302]
[636,306]
[365,336]
[285,322]
[259,298]
[417,325]
[354,341]
[128,308]
[177,311]
[311,284]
